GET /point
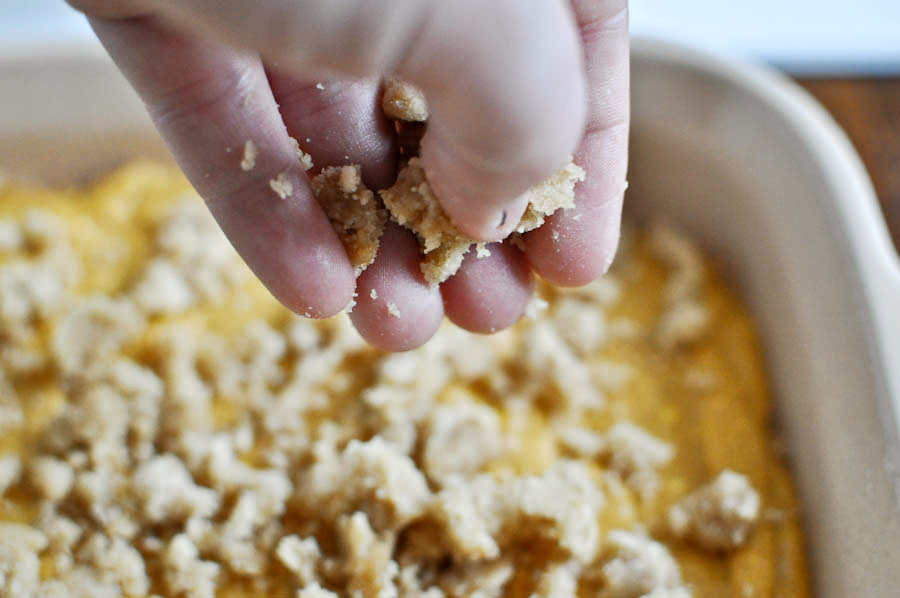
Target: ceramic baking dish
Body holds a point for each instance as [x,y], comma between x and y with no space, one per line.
[744,160]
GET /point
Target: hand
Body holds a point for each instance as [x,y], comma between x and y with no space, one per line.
[510,91]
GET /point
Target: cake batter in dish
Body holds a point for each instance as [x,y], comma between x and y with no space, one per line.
[168,429]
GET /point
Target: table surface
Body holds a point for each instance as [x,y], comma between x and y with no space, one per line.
[869,111]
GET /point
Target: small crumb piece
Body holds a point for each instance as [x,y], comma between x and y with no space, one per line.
[320,86]
[535,307]
[353,211]
[300,557]
[305,159]
[682,324]
[636,455]
[315,591]
[163,288]
[393,310]
[52,478]
[373,294]
[349,179]
[185,574]
[403,101]
[640,566]
[167,493]
[282,186]
[461,437]
[248,161]
[11,237]
[718,516]
[10,468]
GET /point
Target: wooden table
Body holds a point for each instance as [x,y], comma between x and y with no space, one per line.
[869,111]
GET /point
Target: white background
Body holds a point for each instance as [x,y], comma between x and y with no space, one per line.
[824,36]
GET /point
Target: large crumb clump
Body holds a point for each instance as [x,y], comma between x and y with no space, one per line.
[353,211]
[413,204]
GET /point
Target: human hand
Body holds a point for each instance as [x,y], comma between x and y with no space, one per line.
[510,91]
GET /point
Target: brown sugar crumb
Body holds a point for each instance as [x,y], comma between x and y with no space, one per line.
[353,211]
[403,101]
[412,204]
[718,516]
[248,161]
[557,192]
[282,185]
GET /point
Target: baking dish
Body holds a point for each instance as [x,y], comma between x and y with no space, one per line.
[742,159]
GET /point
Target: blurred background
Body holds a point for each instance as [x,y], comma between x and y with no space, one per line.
[802,36]
[845,52]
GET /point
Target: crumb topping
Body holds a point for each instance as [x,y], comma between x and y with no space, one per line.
[172,431]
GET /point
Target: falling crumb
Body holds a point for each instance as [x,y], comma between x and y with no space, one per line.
[481,250]
[320,86]
[392,309]
[248,162]
[555,235]
[282,186]
[373,294]
[308,140]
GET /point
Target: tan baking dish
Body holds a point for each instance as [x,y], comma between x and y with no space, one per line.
[752,167]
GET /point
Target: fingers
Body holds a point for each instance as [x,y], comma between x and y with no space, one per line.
[505,85]
[208,101]
[338,122]
[490,293]
[575,246]
[396,309]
